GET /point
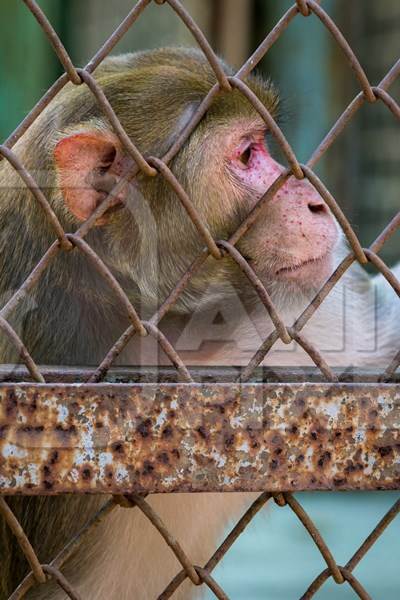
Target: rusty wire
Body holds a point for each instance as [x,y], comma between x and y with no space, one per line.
[158,166]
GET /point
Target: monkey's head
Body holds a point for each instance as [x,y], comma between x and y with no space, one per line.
[225,167]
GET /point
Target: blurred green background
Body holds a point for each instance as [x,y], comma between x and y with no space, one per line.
[274,559]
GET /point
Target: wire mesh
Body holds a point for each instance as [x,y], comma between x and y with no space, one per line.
[152,166]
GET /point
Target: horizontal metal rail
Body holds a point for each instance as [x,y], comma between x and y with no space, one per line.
[168,437]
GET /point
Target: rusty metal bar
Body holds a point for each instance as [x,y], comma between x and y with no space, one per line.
[209,374]
[155,437]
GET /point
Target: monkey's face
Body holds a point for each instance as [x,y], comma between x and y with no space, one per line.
[295,236]
[225,167]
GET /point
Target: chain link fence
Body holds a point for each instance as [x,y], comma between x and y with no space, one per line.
[386,455]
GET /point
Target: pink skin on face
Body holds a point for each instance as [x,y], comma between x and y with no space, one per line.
[296,234]
[259,171]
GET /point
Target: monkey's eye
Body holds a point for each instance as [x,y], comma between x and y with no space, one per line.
[245,156]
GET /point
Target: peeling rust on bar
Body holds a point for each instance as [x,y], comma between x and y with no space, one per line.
[148,438]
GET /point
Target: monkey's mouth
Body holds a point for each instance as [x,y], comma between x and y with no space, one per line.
[310,267]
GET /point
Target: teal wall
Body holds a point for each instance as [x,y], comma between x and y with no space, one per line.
[298,65]
[275,559]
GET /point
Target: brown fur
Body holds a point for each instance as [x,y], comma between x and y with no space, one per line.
[71,317]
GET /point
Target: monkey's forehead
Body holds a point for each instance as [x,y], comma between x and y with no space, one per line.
[165,81]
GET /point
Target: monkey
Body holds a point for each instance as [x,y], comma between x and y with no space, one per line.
[147,241]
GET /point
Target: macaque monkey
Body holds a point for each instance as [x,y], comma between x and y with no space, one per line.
[147,241]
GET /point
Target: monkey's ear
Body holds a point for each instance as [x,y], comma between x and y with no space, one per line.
[88,166]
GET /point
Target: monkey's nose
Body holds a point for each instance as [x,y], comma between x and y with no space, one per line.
[317,206]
